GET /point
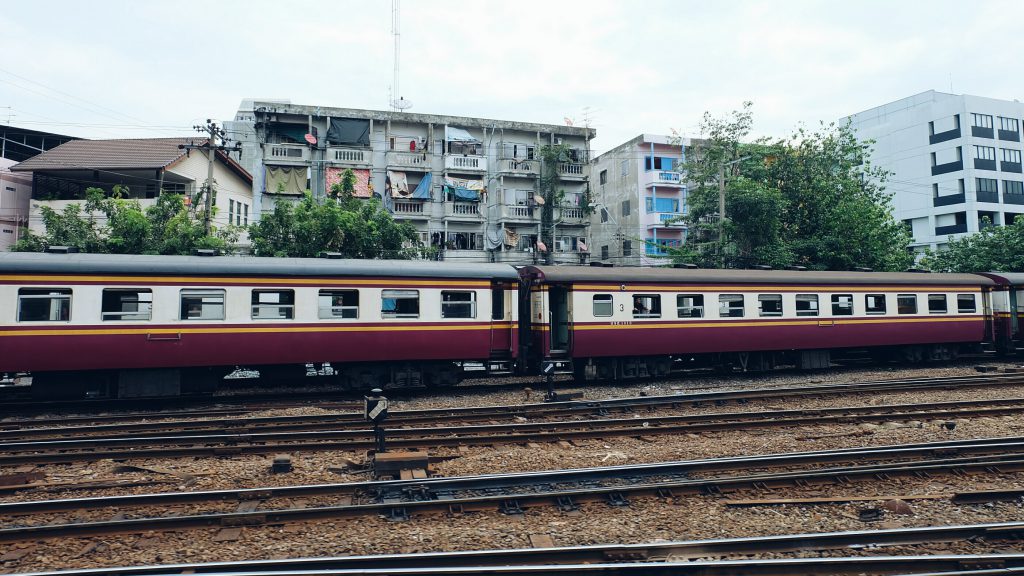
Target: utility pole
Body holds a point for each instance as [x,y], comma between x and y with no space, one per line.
[210,147]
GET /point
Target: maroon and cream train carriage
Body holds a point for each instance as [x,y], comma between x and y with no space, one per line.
[629,322]
[164,325]
[1008,310]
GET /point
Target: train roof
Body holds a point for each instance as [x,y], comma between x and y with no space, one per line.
[598,274]
[244,266]
[1011,278]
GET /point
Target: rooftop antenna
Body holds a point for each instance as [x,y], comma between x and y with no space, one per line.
[588,116]
[398,103]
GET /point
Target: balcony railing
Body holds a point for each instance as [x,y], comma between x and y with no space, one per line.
[348,155]
[663,178]
[517,212]
[572,214]
[520,167]
[409,209]
[409,160]
[949,199]
[571,170]
[951,229]
[462,209]
[287,153]
[465,163]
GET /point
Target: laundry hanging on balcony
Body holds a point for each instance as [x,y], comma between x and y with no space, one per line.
[511,238]
[349,131]
[397,184]
[422,191]
[285,180]
[363,186]
[464,189]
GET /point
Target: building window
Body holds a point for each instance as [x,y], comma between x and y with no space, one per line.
[935,190]
[127,304]
[1008,124]
[769,304]
[730,305]
[602,177]
[624,168]
[1013,187]
[937,304]
[339,304]
[273,304]
[44,304]
[985,152]
[400,303]
[906,304]
[690,305]
[981,120]
[231,211]
[874,303]
[627,247]
[625,208]
[986,185]
[646,306]
[604,252]
[604,215]
[245,214]
[842,304]
[1011,155]
[458,304]
[965,304]
[602,304]
[806,304]
[202,305]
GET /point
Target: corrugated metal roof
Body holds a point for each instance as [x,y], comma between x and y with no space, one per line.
[596,274]
[35,262]
[125,153]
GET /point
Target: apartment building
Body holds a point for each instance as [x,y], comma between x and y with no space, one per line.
[470,186]
[955,162]
[15,191]
[639,197]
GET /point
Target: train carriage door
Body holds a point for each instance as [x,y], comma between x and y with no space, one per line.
[559,316]
[501,321]
[1016,312]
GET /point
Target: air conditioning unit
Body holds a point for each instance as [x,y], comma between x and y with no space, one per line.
[558,141]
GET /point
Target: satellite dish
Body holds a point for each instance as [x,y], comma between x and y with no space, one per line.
[401,104]
[310,138]
[538,199]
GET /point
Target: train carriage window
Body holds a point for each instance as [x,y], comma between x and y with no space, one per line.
[874,303]
[273,304]
[338,304]
[806,304]
[906,303]
[690,305]
[127,304]
[842,304]
[458,304]
[937,304]
[44,304]
[603,305]
[769,304]
[400,303]
[498,303]
[202,304]
[730,305]
[965,304]
[646,306]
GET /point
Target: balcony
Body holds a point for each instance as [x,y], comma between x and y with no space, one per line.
[348,156]
[980,132]
[1011,198]
[662,178]
[1014,167]
[952,167]
[519,167]
[462,210]
[465,163]
[944,136]
[986,196]
[979,164]
[409,160]
[571,215]
[518,213]
[959,228]
[287,154]
[1009,135]
[410,210]
[949,199]
[572,170]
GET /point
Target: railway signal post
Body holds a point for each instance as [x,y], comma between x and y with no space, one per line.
[375,410]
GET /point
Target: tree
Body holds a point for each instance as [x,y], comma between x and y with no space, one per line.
[551,156]
[812,200]
[344,224]
[992,249]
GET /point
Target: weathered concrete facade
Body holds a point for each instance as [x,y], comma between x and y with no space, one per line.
[468,185]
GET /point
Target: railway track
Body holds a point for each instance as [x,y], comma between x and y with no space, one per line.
[323,436]
[513,493]
[999,534]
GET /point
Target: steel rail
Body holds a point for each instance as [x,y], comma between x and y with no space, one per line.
[995,533]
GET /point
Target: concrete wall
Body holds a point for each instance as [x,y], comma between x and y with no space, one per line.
[15,193]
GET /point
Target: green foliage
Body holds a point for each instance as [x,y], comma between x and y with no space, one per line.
[352,227]
[551,156]
[112,224]
[811,200]
[992,249]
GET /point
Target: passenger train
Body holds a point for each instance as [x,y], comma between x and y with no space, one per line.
[86,325]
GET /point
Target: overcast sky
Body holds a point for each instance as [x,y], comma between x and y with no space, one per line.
[106,69]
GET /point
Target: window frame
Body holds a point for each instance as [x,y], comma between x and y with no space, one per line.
[875,310]
[694,306]
[810,312]
[837,304]
[653,310]
[453,303]
[611,305]
[974,304]
[900,298]
[120,316]
[397,295]
[202,293]
[290,308]
[935,298]
[55,293]
[332,293]
[770,298]
[725,299]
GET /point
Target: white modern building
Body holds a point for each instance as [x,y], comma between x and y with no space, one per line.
[15,192]
[639,197]
[955,162]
